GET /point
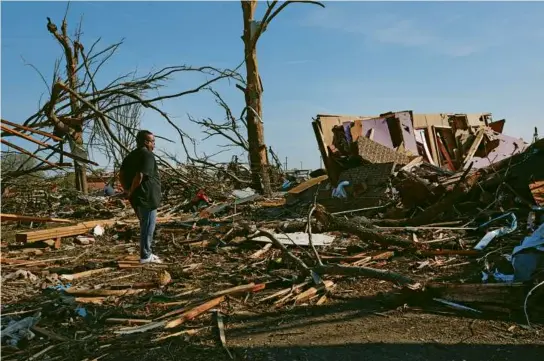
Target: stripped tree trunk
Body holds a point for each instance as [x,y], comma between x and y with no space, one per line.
[258,155]
[72,50]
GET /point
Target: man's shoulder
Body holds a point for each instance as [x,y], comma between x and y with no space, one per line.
[140,153]
[146,153]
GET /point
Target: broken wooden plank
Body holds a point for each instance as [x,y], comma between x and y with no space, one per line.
[35,263]
[128,321]
[379,255]
[195,312]
[20,218]
[251,287]
[32,130]
[262,251]
[93,300]
[283,292]
[48,146]
[30,154]
[308,184]
[304,296]
[59,232]
[100,292]
[84,274]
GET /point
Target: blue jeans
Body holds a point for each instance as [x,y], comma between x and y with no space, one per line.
[148,220]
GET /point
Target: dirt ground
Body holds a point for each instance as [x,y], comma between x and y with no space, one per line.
[354,332]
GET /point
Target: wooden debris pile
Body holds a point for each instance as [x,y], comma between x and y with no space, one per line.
[90,296]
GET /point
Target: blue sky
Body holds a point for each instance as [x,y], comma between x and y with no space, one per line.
[359,58]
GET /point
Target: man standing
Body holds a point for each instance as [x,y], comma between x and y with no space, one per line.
[139,176]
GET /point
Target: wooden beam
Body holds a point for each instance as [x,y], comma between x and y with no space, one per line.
[24,151]
[19,218]
[59,232]
[49,146]
[28,129]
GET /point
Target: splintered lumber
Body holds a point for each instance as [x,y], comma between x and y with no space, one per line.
[195,312]
[36,263]
[59,232]
[24,151]
[32,130]
[364,272]
[284,292]
[128,321]
[321,300]
[84,274]
[100,292]
[13,261]
[350,226]
[141,328]
[262,251]
[308,184]
[251,287]
[19,218]
[306,295]
[370,256]
[178,311]
[48,146]
[93,300]
[230,291]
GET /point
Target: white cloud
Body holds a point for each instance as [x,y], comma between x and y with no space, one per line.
[436,34]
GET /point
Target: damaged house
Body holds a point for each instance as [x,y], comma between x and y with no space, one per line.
[364,150]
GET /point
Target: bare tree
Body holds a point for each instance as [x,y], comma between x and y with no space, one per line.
[78,104]
[232,129]
[253,92]
[127,123]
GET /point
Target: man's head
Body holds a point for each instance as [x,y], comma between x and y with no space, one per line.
[145,138]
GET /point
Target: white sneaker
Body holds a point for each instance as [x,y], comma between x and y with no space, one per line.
[151,259]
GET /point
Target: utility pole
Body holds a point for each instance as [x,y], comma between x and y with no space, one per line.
[286,164]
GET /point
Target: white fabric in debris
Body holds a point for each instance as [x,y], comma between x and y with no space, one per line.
[300,239]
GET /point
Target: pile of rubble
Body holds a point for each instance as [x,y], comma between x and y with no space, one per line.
[426,223]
